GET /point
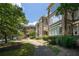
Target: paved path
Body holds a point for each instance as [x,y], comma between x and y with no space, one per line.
[68,52]
[41,48]
[43,51]
[32,41]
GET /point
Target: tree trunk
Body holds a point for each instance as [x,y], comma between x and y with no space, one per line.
[11,37]
[48,21]
[5,37]
[65,23]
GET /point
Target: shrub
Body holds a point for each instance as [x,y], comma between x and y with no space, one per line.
[32,37]
[37,38]
[32,34]
[65,41]
[52,40]
[68,41]
[26,49]
[45,37]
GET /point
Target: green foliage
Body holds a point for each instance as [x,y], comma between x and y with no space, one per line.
[65,41]
[70,7]
[9,44]
[37,38]
[32,34]
[26,50]
[55,49]
[68,41]
[21,33]
[11,17]
[45,37]
[50,39]
[32,37]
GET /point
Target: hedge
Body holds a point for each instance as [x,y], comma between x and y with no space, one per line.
[65,41]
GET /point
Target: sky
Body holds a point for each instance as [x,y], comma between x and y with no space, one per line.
[33,11]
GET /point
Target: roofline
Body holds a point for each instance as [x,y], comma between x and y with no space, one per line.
[41,17]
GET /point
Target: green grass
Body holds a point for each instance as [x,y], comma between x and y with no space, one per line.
[25,50]
[55,49]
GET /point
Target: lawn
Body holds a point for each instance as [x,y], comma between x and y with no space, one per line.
[26,49]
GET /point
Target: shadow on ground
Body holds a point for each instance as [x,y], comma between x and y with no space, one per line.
[43,51]
[46,51]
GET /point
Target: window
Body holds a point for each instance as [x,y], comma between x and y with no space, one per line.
[60,30]
[76,15]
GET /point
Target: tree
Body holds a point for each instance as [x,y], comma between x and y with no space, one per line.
[11,17]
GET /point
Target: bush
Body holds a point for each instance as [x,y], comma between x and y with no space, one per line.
[37,38]
[32,34]
[65,41]
[32,37]
[52,40]
[45,37]
[68,41]
[26,49]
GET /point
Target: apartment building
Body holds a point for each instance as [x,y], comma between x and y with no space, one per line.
[42,27]
[57,24]
[28,29]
